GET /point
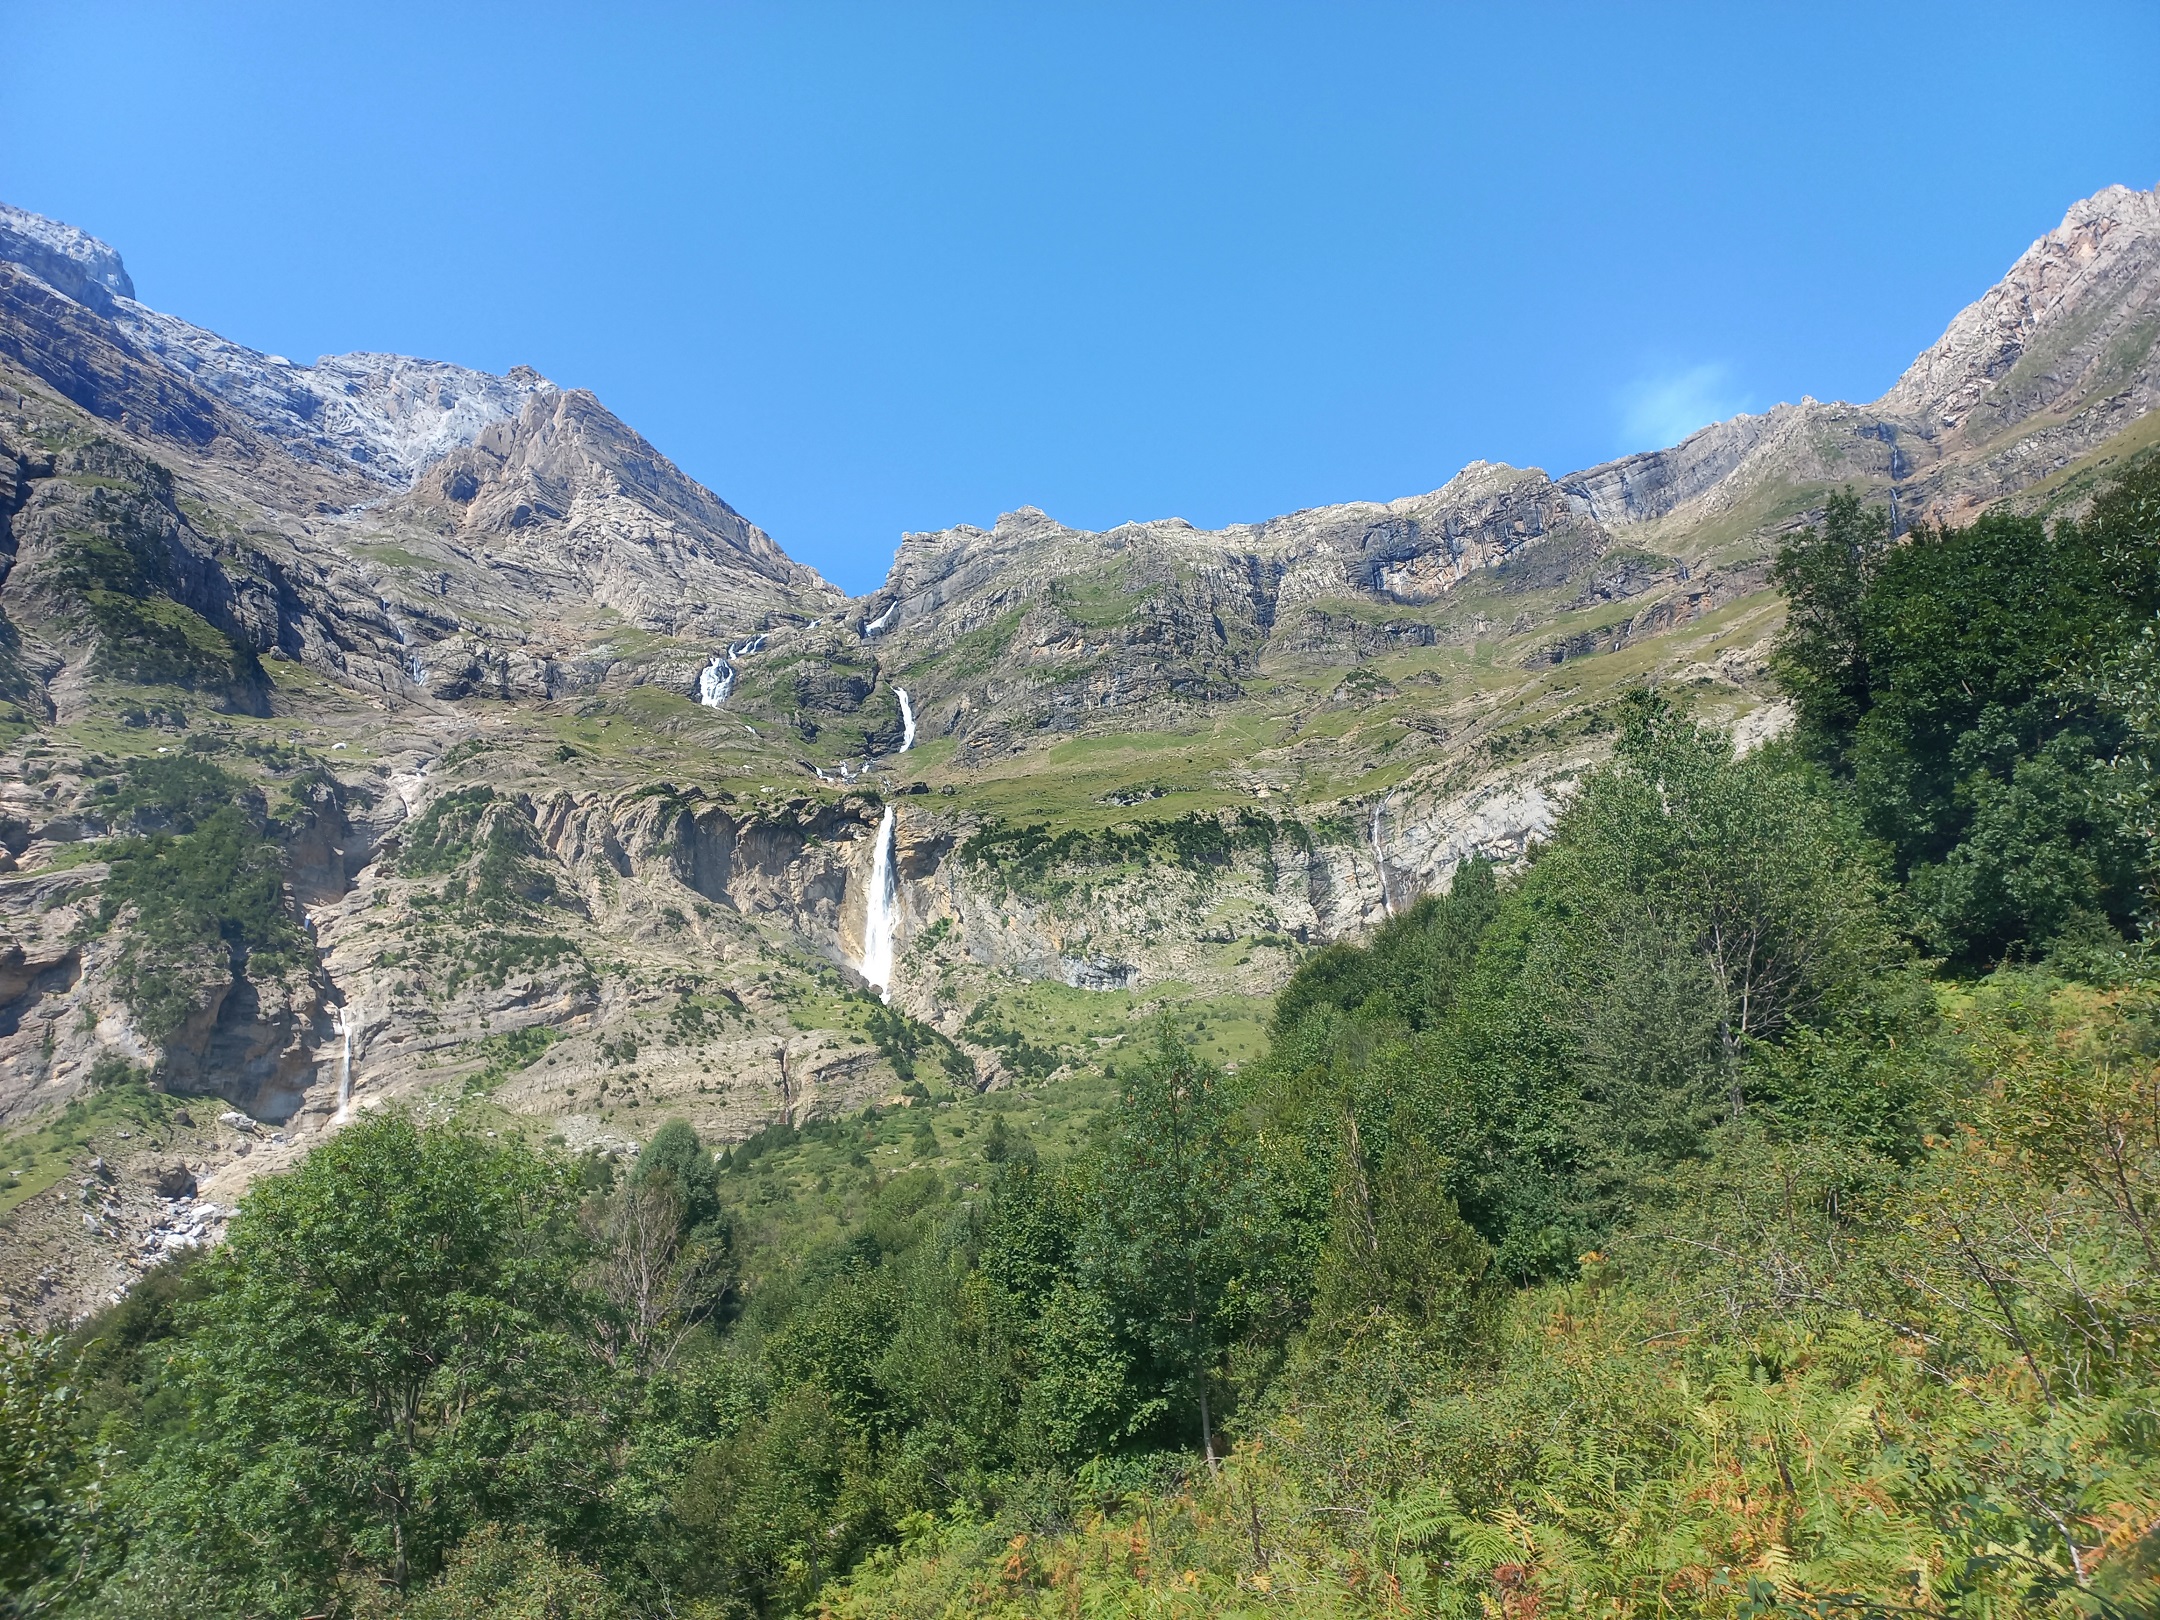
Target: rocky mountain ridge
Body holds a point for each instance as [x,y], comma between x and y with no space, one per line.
[574,782]
[2044,370]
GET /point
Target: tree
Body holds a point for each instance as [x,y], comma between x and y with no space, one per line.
[40,1508]
[1821,659]
[498,1574]
[1401,1259]
[1180,1237]
[665,1254]
[393,1349]
[1411,968]
[1952,676]
[1727,900]
[676,1155]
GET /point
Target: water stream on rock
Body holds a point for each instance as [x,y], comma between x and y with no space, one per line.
[881,908]
[715,681]
[415,665]
[344,1085]
[1379,855]
[907,719]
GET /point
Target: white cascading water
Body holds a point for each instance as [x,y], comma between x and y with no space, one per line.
[344,1085]
[415,665]
[715,681]
[881,912]
[1379,855]
[877,626]
[907,719]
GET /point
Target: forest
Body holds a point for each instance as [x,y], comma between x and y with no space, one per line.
[1750,1207]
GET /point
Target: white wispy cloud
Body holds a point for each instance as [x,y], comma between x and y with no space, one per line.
[1662,408]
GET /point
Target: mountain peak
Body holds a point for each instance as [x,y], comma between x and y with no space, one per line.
[68,260]
[2106,245]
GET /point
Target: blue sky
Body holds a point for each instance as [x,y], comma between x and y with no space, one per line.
[867,269]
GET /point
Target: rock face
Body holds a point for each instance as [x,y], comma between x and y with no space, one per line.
[575,777]
[1034,624]
[73,262]
[584,509]
[2043,369]
[539,487]
[2073,321]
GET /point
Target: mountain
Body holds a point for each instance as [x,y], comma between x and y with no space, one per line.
[379,728]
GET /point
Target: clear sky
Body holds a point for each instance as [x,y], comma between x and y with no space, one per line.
[867,269]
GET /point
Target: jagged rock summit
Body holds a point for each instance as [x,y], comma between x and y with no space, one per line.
[554,497]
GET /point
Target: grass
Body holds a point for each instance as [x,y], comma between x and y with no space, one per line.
[40,1156]
[397,557]
[504,1054]
[1100,598]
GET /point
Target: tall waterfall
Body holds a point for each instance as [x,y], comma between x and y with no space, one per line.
[715,681]
[415,665]
[881,912]
[1379,855]
[907,719]
[344,1085]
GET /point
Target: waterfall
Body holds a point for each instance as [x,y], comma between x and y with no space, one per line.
[415,666]
[1387,905]
[907,719]
[344,1085]
[877,625]
[715,681]
[881,912]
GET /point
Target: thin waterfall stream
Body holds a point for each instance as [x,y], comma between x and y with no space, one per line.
[907,719]
[344,1085]
[1379,855]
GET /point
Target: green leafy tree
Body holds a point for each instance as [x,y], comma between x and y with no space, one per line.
[393,1348]
[1822,656]
[1700,905]
[1400,1261]
[499,1574]
[664,1250]
[45,1506]
[782,1503]
[676,1154]
[1951,675]
[1180,1243]
[1411,968]
[1946,673]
